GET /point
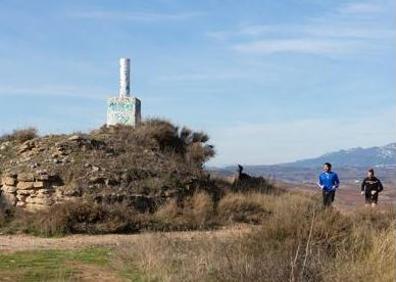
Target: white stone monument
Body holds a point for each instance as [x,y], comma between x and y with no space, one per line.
[124,109]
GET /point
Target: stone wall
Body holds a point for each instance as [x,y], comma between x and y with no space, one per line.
[33,192]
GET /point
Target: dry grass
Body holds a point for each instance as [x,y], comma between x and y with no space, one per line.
[86,216]
[297,241]
[20,135]
[374,262]
[74,217]
[248,208]
[193,213]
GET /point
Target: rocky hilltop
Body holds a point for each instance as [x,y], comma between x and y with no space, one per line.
[140,166]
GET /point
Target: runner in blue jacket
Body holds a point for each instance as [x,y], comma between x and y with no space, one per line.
[328,182]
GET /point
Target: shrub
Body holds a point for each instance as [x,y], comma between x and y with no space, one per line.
[20,135]
[254,184]
[196,212]
[247,208]
[85,217]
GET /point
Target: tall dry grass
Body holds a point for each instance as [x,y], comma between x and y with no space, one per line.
[297,240]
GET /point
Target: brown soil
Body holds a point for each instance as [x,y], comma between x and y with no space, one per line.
[21,242]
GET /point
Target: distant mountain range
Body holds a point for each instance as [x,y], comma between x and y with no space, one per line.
[356,157]
[351,164]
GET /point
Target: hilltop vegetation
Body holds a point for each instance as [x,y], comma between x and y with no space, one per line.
[155,159]
[116,179]
[151,178]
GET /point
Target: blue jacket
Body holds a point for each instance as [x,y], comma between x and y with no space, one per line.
[329,181]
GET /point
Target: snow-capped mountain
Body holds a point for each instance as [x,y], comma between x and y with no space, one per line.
[352,164]
[356,157]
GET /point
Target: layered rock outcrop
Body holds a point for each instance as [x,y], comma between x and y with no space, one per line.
[140,167]
[32,191]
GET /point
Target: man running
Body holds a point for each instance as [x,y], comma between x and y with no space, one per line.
[371,187]
[328,182]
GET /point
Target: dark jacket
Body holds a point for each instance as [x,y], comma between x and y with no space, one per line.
[372,184]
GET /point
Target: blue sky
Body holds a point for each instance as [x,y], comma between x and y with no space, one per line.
[270,81]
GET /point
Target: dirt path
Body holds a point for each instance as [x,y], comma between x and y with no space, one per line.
[13,243]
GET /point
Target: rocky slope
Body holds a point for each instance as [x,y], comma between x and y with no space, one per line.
[140,166]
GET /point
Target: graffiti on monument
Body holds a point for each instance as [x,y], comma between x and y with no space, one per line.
[121,111]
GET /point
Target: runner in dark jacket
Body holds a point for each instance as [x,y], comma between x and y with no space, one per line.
[371,187]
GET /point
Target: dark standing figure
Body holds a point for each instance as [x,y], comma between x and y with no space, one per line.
[242,176]
[328,182]
[371,187]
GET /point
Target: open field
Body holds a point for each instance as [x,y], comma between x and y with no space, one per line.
[85,257]
[295,240]
[22,242]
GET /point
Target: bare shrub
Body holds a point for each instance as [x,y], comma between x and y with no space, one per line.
[202,208]
[20,135]
[85,217]
[193,213]
[247,208]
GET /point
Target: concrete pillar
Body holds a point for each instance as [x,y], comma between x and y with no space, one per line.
[125,70]
[124,109]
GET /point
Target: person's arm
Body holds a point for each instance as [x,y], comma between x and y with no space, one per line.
[363,186]
[380,186]
[320,182]
[336,181]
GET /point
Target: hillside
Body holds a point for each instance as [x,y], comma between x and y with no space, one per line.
[142,166]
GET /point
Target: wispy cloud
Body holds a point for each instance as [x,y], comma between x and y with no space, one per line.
[361,8]
[332,34]
[182,77]
[133,16]
[53,91]
[301,45]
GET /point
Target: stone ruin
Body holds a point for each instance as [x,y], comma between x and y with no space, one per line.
[32,188]
[33,192]
[35,174]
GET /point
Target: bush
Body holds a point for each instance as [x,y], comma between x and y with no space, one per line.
[247,208]
[196,212]
[85,217]
[255,184]
[20,135]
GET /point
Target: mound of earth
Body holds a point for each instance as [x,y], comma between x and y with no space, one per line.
[140,166]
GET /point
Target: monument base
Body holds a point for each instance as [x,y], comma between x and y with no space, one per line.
[123,110]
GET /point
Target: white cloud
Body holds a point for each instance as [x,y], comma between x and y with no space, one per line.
[300,45]
[53,91]
[334,33]
[361,8]
[182,77]
[319,28]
